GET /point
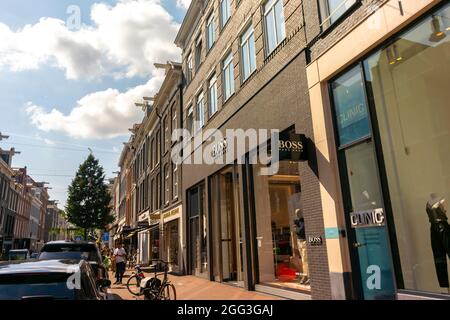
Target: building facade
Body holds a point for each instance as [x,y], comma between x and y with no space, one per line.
[377,77]
[245,69]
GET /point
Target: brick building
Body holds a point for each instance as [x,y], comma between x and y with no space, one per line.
[245,68]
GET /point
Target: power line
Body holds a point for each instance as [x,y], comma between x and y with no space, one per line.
[58,148]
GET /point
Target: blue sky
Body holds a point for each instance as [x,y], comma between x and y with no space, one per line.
[87,70]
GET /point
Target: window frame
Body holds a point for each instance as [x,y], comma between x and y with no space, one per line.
[210,23]
[200,117]
[228,69]
[223,22]
[246,41]
[212,84]
[265,13]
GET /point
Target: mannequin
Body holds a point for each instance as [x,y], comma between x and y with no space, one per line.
[299,223]
[440,236]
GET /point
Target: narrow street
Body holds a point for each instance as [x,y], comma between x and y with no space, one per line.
[194,288]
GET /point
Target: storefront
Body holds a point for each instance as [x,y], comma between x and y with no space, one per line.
[171,244]
[143,248]
[154,232]
[390,111]
[260,232]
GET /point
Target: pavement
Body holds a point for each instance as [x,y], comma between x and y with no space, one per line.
[193,288]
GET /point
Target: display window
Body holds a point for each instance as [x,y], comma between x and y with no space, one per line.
[172,244]
[402,166]
[282,248]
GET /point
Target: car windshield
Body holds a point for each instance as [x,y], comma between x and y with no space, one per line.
[69,252]
[19,287]
[17,255]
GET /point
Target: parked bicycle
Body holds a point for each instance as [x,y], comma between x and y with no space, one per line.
[159,289]
[134,282]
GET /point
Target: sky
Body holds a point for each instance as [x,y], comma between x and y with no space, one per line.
[70,73]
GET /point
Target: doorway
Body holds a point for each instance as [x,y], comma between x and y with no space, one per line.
[226,224]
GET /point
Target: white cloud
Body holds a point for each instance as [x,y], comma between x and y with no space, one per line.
[124,41]
[183,3]
[100,115]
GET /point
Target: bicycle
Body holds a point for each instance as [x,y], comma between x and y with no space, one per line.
[157,289]
[134,282]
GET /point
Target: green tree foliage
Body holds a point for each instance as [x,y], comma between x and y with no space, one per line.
[88,204]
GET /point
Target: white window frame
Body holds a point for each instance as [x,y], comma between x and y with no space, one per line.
[200,116]
[190,114]
[271,10]
[245,41]
[228,71]
[175,181]
[174,119]
[227,11]
[327,16]
[190,67]
[212,96]
[166,184]
[210,32]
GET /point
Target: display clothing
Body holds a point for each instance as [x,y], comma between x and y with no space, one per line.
[440,240]
[302,247]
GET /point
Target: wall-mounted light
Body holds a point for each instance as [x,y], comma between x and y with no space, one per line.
[437,34]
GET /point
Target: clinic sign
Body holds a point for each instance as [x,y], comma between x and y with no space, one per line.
[369,218]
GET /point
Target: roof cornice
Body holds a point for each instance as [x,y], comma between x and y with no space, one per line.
[194,10]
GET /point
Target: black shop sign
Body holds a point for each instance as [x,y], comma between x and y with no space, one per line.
[292,147]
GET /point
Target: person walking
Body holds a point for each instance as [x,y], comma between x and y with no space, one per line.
[120,256]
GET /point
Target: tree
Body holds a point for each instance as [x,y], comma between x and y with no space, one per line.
[88,203]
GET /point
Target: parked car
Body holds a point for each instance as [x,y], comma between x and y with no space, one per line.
[18,254]
[50,280]
[34,255]
[75,250]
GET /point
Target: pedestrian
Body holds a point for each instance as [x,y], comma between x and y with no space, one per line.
[120,256]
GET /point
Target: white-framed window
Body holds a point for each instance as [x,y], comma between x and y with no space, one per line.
[332,10]
[190,119]
[166,184]
[248,55]
[198,52]
[225,12]
[200,110]
[274,23]
[166,133]
[228,77]
[210,31]
[175,181]
[174,119]
[212,96]
[189,68]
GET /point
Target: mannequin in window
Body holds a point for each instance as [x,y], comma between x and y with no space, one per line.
[440,236]
[299,223]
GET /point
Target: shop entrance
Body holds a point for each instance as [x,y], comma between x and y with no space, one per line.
[226,224]
[197,232]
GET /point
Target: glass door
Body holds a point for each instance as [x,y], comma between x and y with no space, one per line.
[363,198]
[226,220]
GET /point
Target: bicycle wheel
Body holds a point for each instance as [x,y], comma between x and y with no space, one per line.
[133,285]
[169,292]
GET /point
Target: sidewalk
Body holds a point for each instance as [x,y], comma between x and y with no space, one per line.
[194,288]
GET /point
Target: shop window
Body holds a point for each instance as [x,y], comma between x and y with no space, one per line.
[248,55]
[228,77]
[332,10]
[281,229]
[172,244]
[197,224]
[274,23]
[351,107]
[408,86]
